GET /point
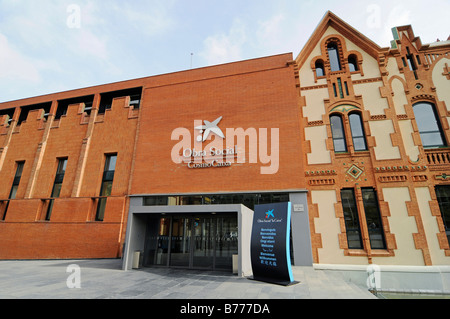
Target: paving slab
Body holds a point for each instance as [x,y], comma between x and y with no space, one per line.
[104,279]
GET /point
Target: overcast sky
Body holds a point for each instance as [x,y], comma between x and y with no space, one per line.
[49,46]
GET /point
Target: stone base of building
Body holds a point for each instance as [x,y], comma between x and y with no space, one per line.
[418,280]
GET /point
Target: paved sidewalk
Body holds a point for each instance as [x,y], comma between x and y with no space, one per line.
[104,279]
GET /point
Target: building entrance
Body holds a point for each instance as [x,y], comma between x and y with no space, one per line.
[204,241]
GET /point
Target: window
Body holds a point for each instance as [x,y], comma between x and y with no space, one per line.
[335,90]
[57,185]
[107,183]
[63,105]
[15,186]
[372,216]
[341,92]
[135,100]
[429,126]
[320,69]
[443,197]
[25,110]
[373,219]
[9,113]
[356,126]
[346,88]
[411,63]
[106,101]
[353,63]
[248,200]
[351,218]
[16,181]
[333,54]
[337,129]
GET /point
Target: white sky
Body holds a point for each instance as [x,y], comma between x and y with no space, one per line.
[50,46]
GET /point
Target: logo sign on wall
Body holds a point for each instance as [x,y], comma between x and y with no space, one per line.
[270,244]
[216,147]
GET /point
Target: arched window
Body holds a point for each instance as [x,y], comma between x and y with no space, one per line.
[353,63]
[320,69]
[359,138]
[429,125]
[333,54]
[337,130]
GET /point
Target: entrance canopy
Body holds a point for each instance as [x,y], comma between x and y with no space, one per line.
[141,217]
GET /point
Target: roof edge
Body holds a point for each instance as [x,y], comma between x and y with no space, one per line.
[331,19]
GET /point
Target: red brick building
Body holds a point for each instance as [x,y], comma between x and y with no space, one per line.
[98,146]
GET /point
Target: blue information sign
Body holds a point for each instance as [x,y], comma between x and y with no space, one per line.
[270,244]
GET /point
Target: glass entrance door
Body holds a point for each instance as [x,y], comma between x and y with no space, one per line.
[203,248]
[202,242]
[180,253]
[163,238]
[226,242]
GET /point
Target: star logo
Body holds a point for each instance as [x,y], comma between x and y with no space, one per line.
[270,214]
[208,128]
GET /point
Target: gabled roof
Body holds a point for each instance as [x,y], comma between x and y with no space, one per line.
[330,19]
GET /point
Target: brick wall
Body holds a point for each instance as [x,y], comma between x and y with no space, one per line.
[83,139]
[258,93]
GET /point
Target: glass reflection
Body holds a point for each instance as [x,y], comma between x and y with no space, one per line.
[200,242]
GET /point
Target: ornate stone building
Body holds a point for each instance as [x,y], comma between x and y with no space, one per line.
[376,134]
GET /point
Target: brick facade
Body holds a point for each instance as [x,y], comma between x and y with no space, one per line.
[84,140]
[257,94]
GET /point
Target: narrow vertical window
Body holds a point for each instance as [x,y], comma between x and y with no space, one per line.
[107,183]
[359,138]
[320,69]
[333,54]
[373,219]
[404,62]
[16,181]
[341,92]
[429,126]
[410,59]
[346,88]
[337,130]
[418,59]
[14,187]
[57,185]
[411,63]
[443,197]
[351,218]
